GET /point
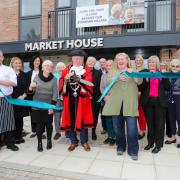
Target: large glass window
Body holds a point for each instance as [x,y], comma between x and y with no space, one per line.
[30,20]
[163,15]
[30,29]
[64,3]
[30,7]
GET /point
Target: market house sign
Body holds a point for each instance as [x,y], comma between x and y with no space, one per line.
[65,44]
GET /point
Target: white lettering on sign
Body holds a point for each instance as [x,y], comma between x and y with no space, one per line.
[68,44]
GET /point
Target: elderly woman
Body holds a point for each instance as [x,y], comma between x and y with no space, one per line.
[139,62]
[57,114]
[154,101]
[44,87]
[109,124]
[124,107]
[174,104]
[20,92]
[96,75]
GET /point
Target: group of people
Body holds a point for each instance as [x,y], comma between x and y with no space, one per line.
[132,102]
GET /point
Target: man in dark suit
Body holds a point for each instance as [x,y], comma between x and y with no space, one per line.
[91,61]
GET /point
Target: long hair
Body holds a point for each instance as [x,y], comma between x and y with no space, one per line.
[115,66]
[14,59]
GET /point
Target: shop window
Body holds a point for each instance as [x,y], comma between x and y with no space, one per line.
[63,3]
[87,3]
[30,20]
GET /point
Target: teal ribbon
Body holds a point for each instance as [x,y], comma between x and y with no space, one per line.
[139,75]
[107,89]
[28,103]
[152,75]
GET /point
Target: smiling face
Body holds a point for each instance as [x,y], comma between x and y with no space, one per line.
[17,65]
[102,63]
[48,68]
[37,63]
[139,62]
[152,65]
[77,61]
[91,62]
[175,68]
[109,66]
[122,62]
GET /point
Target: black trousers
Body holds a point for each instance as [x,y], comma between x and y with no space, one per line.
[19,128]
[155,116]
[43,119]
[168,128]
[174,115]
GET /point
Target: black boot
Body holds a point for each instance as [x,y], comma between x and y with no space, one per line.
[49,144]
[94,136]
[40,146]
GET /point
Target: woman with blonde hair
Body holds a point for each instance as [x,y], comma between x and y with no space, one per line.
[139,62]
[122,105]
[154,101]
[19,92]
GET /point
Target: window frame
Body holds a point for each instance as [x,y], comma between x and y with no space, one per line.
[36,16]
[63,7]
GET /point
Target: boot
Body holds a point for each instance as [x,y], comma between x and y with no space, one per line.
[40,146]
[49,144]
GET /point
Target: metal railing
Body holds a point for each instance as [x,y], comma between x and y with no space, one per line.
[159,16]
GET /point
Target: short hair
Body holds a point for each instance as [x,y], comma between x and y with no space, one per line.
[60,64]
[31,64]
[47,62]
[156,58]
[102,59]
[91,57]
[109,61]
[175,62]
[139,56]
[127,58]
[14,59]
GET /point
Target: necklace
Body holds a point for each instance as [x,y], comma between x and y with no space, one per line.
[75,88]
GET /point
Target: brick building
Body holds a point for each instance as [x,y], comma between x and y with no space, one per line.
[25,24]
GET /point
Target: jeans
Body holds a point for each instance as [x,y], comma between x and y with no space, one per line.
[132,134]
[110,129]
[83,136]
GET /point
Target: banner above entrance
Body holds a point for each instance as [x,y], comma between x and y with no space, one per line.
[64,44]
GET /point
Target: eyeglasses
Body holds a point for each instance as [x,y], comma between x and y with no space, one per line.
[175,66]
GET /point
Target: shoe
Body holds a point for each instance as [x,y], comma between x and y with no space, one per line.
[40,147]
[141,136]
[72,147]
[24,133]
[94,137]
[33,135]
[106,141]
[170,142]
[156,150]
[178,145]
[49,144]
[112,142]
[13,147]
[86,147]
[57,136]
[149,146]
[120,152]
[19,141]
[103,131]
[134,157]
[43,136]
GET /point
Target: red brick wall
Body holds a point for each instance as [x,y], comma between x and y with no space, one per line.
[166,55]
[9,14]
[47,5]
[177,14]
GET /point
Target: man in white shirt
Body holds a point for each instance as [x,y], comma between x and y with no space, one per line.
[8,80]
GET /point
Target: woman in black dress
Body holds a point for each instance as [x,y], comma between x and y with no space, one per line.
[19,92]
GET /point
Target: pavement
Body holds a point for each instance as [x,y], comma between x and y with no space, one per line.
[100,163]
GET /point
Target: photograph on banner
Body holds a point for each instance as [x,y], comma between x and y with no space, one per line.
[120,12]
